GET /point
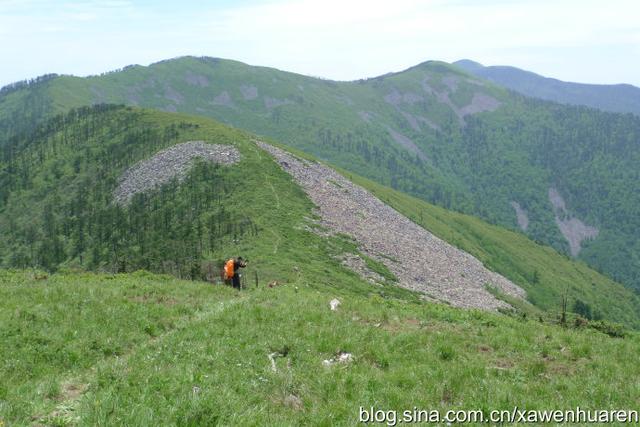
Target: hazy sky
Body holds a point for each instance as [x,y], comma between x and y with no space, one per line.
[575,40]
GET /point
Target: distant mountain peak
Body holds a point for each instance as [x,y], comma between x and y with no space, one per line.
[468,65]
[618,98]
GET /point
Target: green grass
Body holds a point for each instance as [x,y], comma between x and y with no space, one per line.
[140,349]
[58,327]
[144,349]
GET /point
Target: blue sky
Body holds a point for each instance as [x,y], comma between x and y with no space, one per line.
[585,41]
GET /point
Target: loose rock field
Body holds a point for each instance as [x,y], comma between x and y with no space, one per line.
[420,260]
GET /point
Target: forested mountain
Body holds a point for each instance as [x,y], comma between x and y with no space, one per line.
[619,98]
[566,176]
[75,194]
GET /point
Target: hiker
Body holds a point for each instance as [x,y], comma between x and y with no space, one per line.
[231,270]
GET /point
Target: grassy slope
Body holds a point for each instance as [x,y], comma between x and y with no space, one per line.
[265,194]
[260,191]
[140,349]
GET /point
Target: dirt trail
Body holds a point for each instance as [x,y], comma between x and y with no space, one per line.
[74,388]
[420,260]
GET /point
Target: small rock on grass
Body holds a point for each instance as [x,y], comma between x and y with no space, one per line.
[342,357]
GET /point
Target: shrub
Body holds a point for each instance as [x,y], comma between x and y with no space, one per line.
[612,329]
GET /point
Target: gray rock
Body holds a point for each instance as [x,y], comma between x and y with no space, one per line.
[271,103]
[173,162]
[196,79]
[424,263]
[406,143]
[223,99]
[573,230]
[249,92]
[521,216]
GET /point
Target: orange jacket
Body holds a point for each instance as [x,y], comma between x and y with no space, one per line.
[229,269]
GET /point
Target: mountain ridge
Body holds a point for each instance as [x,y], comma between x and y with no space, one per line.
[432,131]
[59,209]
[617,98]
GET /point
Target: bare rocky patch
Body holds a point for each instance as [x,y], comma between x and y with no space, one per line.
[479,103]
[406,143]
[133,96]
[134,92]
[395,98]
[249,92]
[419,260]
[426,87]
[271,103]
[451,82]
[521,216]
[173,162]
[428,123]
[557,201]
[357,264]
[196,79]
[413,122]
[173,95]
[474,81]
[224,99]
[574,230]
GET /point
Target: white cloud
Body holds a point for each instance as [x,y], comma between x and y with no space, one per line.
[339,39]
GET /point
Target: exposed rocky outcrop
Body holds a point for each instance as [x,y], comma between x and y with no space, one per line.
[419,260]
[451,82]
[574,230]
[413,122]
[395,98]
[480,102]
[428,123]
[357,264]
[406,143]
[249,92]
[271,103]
[196,79]
[173,162]
[224,99]
[521,216]
[173,95]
